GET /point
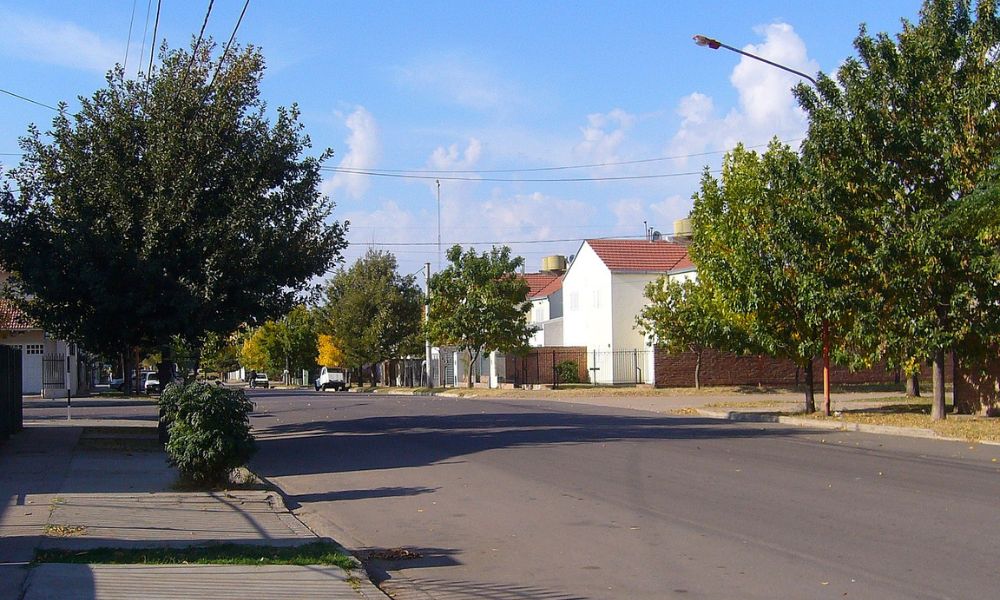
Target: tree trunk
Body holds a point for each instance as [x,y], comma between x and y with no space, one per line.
[937,384]
[913,385]
[135,380]
[472,361]
[697,371]
[810,397]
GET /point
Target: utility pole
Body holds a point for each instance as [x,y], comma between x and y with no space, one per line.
[427,316]
[438,182]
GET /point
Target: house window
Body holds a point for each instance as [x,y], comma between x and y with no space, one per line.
[574,301]
[33,349]
[597,298]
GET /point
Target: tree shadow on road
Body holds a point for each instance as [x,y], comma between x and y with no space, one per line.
[407,441]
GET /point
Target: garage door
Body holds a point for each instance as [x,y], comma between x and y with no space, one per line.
[31,367]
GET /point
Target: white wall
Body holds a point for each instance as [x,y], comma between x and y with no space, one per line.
[587,304]
[537,315]
[628,301]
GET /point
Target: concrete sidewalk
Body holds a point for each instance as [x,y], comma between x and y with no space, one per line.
[92,484]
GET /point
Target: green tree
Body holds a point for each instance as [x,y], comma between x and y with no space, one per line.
[221,353]
[478,303]
[688,317]
[760,246]
[372,311]
[168,205]
[903,136]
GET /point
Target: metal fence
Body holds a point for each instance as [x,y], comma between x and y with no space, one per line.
[619,366]
[547,366]
[54,367]
[11,402]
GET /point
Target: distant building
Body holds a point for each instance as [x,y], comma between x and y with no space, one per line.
[603,292]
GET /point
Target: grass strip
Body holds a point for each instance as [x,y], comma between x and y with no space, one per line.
[315,553]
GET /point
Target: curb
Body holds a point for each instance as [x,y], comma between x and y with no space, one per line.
[757,417]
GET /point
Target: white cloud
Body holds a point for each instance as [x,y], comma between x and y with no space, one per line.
[629,215]
[453,157]
[363,151]
[57,42]
[603,135]
[461,82]
[766,106]
[534,216]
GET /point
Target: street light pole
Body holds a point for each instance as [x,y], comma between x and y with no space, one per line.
[715,44]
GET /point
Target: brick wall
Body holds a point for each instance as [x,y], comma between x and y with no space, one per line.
[726,369]
[536,366]
[977,387]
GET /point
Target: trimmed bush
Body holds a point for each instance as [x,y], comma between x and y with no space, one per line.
[568,371]
[209,430]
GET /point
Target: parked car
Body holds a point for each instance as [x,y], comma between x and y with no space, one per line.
[151,383]
[117,384]
[260,380]
[331,377]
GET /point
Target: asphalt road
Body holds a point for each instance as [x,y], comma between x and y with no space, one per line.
[504,499]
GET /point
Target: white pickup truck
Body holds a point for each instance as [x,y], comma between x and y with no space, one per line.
[332,377]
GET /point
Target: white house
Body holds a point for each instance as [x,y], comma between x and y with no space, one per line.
[546,312]
[37,347]
[603,293]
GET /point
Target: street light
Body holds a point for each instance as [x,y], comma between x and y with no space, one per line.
[715,44]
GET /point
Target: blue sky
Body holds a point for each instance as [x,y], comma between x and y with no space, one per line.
[477,86]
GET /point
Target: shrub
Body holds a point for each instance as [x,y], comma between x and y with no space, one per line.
[209,429]
[568,371]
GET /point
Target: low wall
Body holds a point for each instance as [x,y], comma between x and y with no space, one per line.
[727,369]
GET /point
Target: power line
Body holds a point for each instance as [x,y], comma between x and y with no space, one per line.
[225,51]
[128,42]
[507,179]
[197,43]
[26,99]
[568,167]
[504,242]
[152,43]
[145,29]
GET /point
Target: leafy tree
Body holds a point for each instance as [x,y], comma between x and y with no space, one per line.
[758,244]
[253,352]
[372,311]
[328,352]
[168,205]
[903,136]
[288,343]
[221,353]
[478,303]
[688,317]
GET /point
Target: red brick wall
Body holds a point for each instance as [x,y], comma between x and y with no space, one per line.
[536,366]
[725,369]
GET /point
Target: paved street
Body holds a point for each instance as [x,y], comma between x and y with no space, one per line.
[528,499]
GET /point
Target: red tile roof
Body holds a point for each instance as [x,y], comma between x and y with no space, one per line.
[684,264]
[550,289]
[639,256]
[12,319]
[538,281]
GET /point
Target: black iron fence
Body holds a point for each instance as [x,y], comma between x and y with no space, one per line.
[547,366]
[11,402]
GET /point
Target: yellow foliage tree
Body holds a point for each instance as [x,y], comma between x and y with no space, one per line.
[329,353]
[253,355]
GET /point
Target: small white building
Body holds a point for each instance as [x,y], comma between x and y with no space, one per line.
[546,312]
[37,349]
[603,293]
